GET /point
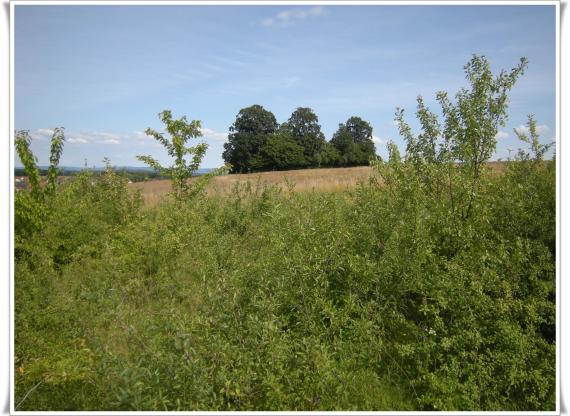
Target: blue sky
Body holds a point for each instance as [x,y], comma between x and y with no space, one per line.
[105,72]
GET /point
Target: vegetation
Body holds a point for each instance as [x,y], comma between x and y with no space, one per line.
[181,131]
[353,142]
[248,135]
[428,287]
[258,143]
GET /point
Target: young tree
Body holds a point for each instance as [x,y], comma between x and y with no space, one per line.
[31,209]
[180,132]
[22,142]
[467,138]
[57,140]
[248,135]
[538,149]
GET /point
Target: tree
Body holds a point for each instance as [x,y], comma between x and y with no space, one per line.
[180,132]
[248,135]
[353,141]
[360,130]
[306,130]
[282,151]
[467,138]
[328,155]
[538,149]
[31,209]
[22,142]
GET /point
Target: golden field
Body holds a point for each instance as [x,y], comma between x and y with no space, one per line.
[304,180]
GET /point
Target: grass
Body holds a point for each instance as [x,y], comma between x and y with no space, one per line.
[302,180]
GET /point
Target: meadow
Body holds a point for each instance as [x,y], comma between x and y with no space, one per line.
[300,180]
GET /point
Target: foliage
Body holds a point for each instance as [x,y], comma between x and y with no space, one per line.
[180,131]
[353,141]
[306,130]
[31,209]
[247,137]
[258,143]
[22,142]
[57,140]
[282,151]
[467,138]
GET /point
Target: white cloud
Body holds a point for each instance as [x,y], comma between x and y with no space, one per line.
[540,129]
[377,140]
[76,140]
[214,135]
[285,17]
[141,135]
[109,136]
[40,134]
[111,141]
[501,135]
[45,132]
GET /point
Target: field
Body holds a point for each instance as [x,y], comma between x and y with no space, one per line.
[302,180]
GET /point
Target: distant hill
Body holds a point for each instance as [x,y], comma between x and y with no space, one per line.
[72,170]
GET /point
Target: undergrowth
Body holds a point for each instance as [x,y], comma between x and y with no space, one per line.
[373,299]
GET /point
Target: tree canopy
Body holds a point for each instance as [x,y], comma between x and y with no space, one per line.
[247,137]
[353,141]
[257,142]
[306,130]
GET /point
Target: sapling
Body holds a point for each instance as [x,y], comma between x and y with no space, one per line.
[180,132]
[538,149]
[22,142]
[466,139]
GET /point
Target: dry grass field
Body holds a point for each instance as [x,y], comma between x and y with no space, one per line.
[305,180]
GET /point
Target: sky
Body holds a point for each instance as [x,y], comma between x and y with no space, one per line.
[105,72]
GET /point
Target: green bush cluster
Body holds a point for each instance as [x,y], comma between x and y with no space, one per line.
[371,299]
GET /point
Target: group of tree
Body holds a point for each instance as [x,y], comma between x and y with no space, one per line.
[257,142]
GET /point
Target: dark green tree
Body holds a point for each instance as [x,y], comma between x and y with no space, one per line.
[353,141]
[282,151]
[306,130]
[248,135]
[328,155]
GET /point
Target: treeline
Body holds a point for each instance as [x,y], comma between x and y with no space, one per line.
[257,142]
[132,175]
